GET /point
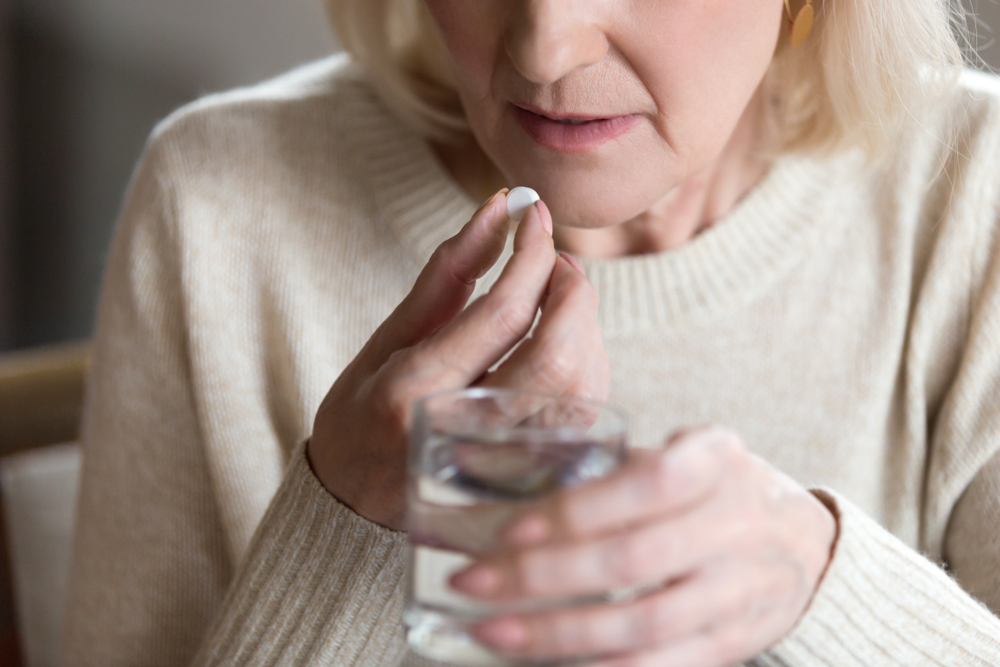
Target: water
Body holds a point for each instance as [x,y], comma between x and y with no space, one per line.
[468,489]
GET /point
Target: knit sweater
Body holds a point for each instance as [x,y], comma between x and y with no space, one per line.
[844,318]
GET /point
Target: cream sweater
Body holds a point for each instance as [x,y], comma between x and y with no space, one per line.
[844,319]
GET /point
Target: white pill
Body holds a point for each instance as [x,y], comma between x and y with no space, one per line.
[519,200]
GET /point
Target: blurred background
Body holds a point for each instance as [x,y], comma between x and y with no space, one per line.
[82,83]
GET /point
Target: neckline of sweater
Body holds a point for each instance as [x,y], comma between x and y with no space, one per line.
[726,267]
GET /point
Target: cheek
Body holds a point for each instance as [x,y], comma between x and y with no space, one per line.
[702,62]
[697,62]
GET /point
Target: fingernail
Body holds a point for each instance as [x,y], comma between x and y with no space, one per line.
[490,200]
[572,261]
[528,530]
[503,633]
[546,216]
[477,579]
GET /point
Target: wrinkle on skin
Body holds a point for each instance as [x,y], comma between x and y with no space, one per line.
[691,69]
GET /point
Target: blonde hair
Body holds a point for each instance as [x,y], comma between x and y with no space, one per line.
[868,70]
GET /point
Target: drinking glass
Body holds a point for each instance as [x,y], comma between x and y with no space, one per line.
[478,458]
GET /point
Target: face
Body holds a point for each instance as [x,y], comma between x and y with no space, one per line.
[606,106]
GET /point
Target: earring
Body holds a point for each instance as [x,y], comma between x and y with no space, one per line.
[802,23]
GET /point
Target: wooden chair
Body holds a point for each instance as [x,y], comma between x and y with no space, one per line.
[41,397]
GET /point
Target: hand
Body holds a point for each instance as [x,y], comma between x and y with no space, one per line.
[731,551]
[430,344]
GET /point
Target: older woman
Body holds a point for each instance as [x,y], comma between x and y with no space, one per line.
[791,231]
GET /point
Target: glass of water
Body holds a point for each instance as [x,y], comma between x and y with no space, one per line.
[479,457]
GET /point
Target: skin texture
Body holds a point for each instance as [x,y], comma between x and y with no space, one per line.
[689,68]
[727,549]
[429,344]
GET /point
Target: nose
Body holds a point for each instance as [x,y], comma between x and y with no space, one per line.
[548,39]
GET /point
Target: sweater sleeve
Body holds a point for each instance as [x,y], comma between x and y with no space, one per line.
[882,604]
[149,562]
[319,586]
[152,579]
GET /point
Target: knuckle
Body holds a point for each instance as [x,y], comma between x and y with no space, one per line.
[727,447]
[629,559]
[562,510]
[664,478]
[660,611]
[660,470]
[447,262]
[729,642]
[555,365]
[434,363]
[630,660]
[728,441]
[441,257]
[528,574]
[578,294]
[397,361]
[736,600]
[645,625]
[512,318]
[566,635]
[391,402]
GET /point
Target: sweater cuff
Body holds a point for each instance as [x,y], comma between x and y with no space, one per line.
[881,603]
[318,585]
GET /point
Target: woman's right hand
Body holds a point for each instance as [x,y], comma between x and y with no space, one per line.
[430,344]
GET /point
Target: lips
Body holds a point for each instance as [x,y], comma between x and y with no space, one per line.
[572,133]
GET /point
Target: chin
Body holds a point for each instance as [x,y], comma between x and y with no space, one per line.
[601,188]
[589,199]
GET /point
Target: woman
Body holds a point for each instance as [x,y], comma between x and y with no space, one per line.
[796,242]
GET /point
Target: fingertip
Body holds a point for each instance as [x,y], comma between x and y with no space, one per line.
[503,633]
[687,465]
[478,580]
[490,217]
[533,221]
[481,241]
[563,274]
[572,261]
[546,216]
[528,531]
[491,200]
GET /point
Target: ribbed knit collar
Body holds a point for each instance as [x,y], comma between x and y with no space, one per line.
[736,260]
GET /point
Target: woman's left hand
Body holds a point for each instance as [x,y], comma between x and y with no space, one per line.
[732,548]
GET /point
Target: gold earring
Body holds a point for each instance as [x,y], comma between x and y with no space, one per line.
[802,23]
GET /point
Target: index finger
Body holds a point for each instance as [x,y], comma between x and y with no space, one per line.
[445,284]
[490,326]
[651,484]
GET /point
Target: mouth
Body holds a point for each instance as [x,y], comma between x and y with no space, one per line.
[571,133]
